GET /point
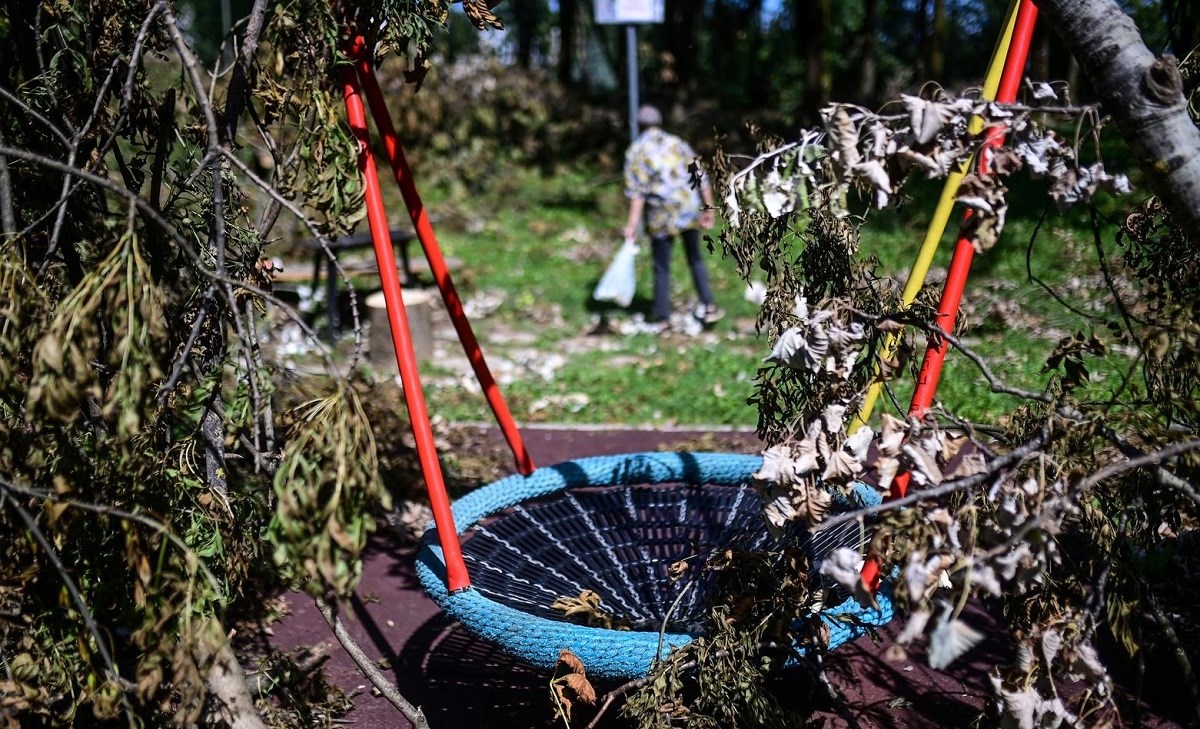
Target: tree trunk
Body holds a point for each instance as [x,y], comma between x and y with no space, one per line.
[1039,54]
[1143,93]
[758,83]
[810,21]
[868,50]
[568,18]
[1072,78]
[937,43]
[682,41]
[527,14]
[922,27]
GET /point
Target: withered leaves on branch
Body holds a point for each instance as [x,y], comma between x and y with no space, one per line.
[481,15]
[1068,354]
[877,153]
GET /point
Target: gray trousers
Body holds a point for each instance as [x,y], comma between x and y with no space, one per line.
[661,247]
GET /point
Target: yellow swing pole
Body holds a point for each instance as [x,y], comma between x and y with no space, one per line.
[941,214]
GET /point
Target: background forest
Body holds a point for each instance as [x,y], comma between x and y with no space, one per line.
[791,57]
[780,60]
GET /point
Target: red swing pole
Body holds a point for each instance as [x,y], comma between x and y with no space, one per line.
[456,570]
[433,254]
[960,262]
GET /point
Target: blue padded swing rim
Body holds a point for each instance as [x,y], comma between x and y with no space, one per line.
[606,653]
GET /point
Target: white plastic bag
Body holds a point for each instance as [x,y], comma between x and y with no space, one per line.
[620,278]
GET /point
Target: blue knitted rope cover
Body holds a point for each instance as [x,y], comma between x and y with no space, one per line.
[606,653]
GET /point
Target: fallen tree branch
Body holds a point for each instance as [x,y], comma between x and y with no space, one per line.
[1144,93]
[1147,459]
[76,597]
[8,220]
[227,682]
[625,688]
[999,464]
[1161,474]
[389,691]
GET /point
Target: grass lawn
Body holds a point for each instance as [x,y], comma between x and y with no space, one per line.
[539,243]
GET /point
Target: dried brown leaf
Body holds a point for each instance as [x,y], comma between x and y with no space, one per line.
[1005,162]
[951,445]
[925,469]
[914,627]
[845,138]
[841,467]
[581,686]
[890,326]
[571,661]
[812,503]
[972,465]
[887,468]
[1052,642]
[844,566]
[563,703]
[892,435]
[586,607]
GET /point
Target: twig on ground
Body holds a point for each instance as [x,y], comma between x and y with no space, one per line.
[623,689]
[817,666]
[389,691]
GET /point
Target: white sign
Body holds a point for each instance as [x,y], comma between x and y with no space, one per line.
[620,12]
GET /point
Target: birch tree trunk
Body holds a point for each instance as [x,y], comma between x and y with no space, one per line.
[1144,94]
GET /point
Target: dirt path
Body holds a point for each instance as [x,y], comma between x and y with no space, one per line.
[463,681]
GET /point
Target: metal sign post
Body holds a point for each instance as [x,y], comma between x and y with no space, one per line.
[632,67]
[630,13]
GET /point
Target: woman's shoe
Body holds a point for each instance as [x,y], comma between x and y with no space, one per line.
[711,314]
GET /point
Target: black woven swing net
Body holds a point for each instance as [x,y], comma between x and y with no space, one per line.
[635,546]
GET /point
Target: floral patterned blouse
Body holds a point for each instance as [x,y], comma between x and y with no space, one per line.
[656,169]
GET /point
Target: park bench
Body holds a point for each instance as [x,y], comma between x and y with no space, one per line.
[411,269]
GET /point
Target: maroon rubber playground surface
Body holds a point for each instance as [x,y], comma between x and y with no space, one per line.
[463,681]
